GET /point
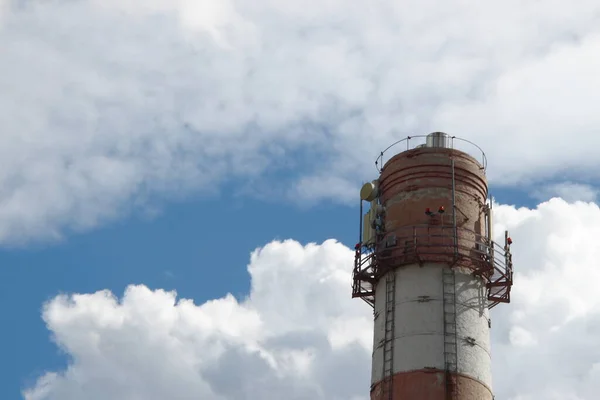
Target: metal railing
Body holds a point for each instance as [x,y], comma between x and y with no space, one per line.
[363,275]
[436,244]
[456,143]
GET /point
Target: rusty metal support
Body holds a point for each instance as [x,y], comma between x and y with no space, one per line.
[422,243]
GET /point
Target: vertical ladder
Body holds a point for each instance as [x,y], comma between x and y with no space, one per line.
[449,304]
[450,334]
[388,343]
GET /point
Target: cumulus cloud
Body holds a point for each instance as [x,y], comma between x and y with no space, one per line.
[148,345]
[552,325]
[299,335]
[108,106]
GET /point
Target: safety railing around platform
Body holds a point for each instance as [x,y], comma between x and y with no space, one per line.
[416,141]
[435,244]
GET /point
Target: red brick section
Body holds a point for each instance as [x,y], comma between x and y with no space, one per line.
[422,178]
[429,385]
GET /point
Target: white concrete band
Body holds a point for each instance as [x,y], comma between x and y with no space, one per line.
[419,323]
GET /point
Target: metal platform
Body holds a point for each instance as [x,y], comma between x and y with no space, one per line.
[456,247]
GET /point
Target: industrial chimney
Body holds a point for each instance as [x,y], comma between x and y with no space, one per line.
[427,264]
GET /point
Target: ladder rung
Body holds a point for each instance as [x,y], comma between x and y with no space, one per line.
[388,343]
[450,329]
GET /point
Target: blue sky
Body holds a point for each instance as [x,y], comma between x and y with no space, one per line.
[198,248]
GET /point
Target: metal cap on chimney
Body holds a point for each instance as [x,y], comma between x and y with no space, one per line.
[438,139]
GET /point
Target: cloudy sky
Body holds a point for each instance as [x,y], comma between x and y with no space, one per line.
[179,181]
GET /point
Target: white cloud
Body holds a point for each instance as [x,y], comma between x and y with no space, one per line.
[274,345]
[299,335]
[104,102]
